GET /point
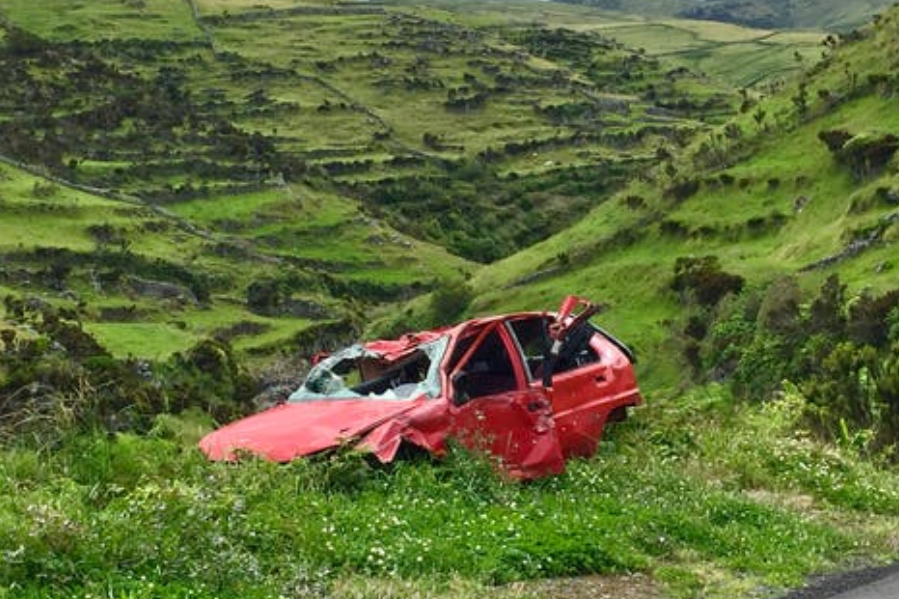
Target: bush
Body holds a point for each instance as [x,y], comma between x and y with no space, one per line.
[869,319]
[779,310]
[62,381]
[449,301]
[864,153]
[209,377]
[683,190]
[840,353]
[703,280]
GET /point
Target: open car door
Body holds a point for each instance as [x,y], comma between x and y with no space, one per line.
[587,373]
[495,409]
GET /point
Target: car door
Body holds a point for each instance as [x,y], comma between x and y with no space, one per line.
[581,398]
[495,409]
[580,379]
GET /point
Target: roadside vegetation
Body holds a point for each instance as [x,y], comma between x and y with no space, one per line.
[710,498]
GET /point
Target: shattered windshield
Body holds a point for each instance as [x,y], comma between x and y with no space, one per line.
[356,372]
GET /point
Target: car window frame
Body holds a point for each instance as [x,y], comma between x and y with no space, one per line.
[513,351]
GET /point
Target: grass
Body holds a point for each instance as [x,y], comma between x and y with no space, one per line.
[296,220]
[704,46]
[710,502]
[769,168]
[168,20]
[148,340]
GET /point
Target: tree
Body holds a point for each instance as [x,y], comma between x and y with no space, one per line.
[800,100]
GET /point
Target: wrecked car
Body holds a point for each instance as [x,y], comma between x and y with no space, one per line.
[531,389]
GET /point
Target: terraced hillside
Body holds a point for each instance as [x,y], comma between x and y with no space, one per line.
[830,15]
[736,55]
[801,187]
[303,160]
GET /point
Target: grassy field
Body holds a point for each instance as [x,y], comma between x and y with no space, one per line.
[164,20]
[739,56]
[831,15]
[714,506]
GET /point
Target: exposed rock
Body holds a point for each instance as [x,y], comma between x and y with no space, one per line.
[161,290]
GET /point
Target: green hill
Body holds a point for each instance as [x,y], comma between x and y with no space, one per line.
[802,185]
[268,170]
[735,55]
[826,15]
[326,153]
[282,180]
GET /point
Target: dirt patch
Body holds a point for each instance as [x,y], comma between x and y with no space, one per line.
[631,586]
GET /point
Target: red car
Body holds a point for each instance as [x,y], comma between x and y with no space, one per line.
[531,388]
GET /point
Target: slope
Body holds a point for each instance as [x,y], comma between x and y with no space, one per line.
[764,194]
[827,15]
[264,168]
[736,55]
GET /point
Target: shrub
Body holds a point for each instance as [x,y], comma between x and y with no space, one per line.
[62,381]
[450,300]
[703,280]
[683,190]
[863,153]
[826,310]
[207,376]
[841,390]
[841,353]
[869,316]
[867,153]
[834,139]
[779,310]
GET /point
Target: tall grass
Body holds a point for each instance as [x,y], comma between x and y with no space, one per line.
[710,504]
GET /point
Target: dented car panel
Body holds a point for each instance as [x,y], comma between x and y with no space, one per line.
[531,389]
[288,431]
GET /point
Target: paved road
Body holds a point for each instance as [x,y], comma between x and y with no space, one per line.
[887,588]
[871,583]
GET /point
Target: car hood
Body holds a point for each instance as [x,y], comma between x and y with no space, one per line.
[290,431]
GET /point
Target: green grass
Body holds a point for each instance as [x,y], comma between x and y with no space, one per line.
[711,502]
[169,20]
[155,341]
[818,14]
[738,55]
[298,221]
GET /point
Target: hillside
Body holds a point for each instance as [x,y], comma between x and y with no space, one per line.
[823,15]
[731,54]
[245,182]
[295,164]
[802,185]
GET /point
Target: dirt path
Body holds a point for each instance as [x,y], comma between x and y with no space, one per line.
[632,586]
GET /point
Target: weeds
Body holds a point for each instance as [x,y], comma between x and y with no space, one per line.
[146,516]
